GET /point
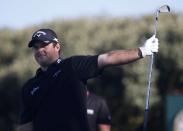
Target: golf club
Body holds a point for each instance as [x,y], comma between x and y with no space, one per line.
[162,9]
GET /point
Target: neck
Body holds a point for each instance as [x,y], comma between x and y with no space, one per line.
[44,68]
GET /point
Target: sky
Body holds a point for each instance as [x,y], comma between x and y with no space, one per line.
[22,13]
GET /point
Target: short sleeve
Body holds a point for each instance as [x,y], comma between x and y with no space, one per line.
[85,67]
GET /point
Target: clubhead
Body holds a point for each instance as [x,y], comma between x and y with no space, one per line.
[164,8]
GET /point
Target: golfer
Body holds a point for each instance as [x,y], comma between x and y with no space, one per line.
[55,98]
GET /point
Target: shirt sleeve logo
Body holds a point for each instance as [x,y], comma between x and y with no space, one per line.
[90,111]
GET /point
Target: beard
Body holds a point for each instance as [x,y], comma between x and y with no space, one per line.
[43,60]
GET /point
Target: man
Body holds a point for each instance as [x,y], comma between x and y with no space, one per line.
[55,98]
[99,117]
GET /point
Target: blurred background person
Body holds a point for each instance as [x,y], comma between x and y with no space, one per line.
[98,113]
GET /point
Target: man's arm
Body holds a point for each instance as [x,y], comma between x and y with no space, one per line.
[26,127]
[120,57]
[104,127]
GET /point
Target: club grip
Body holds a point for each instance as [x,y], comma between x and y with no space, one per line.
[145,119]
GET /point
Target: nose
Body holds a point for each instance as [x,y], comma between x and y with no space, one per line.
[38,49]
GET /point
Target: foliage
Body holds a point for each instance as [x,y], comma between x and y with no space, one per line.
[125,87]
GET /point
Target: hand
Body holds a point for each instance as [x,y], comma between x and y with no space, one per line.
[150,46]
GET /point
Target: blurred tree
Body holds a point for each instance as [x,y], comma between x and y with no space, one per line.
[125,87]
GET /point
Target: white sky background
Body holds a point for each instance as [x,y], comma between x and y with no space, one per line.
[22,13]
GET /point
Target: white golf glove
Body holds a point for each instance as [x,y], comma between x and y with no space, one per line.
[150,46]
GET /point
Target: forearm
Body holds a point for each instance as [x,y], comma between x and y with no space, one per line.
[118,57]
[104,127]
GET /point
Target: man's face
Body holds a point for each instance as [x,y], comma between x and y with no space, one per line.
[45,54]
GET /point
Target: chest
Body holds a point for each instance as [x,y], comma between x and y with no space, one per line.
[56,90]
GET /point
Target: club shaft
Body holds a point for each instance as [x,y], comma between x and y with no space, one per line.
[149,81]
[148,94]
[150,77]
[155,23]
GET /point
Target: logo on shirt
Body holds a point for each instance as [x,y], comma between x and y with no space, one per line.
[90,111]
[56,73]
[34,90]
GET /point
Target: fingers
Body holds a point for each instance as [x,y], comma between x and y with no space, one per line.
[150,46]
[155,45]
[153,36]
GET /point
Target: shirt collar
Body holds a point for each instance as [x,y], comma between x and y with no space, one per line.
[50,69]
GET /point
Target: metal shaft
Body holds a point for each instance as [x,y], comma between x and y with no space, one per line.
[148,95]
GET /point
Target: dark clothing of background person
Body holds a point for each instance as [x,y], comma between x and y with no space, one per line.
[97,111]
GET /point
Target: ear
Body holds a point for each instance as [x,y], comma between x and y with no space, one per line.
[57,46]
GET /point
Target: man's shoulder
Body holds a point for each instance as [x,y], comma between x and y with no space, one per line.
[81,57]
[80,61]
[29,82]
